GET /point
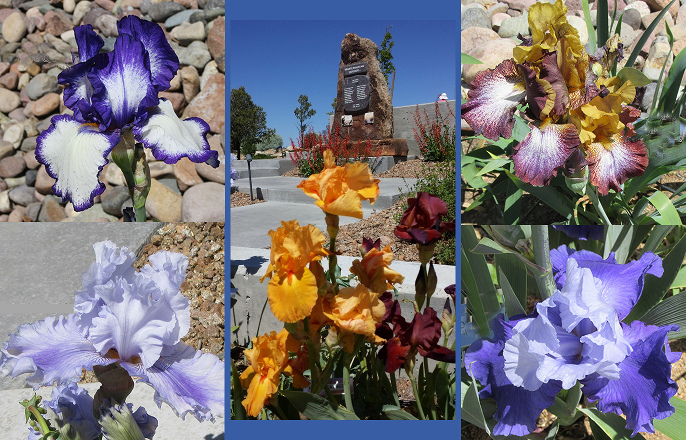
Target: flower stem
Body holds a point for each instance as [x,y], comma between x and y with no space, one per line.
[41,421]
[141,188]
[347,359]
[541,245]
[417,398]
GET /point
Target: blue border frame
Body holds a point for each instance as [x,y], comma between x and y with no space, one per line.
[319,10]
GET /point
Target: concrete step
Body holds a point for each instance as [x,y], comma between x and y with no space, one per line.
[277,167]
[284,189]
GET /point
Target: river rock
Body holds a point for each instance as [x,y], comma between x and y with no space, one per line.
[204,202]
[14,28]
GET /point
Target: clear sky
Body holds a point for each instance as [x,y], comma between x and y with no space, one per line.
[277,61]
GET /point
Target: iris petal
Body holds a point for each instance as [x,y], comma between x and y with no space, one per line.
[163,60]
[613,161]
[187,380]
[644,387]
[517,408]
[54,350]
[620,284]
[542,152]
[74,154]
[122,84]
[493,99]
[171,138]
[131,322]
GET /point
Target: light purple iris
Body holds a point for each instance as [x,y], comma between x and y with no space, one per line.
[73,405]
[577,335]
[114,97]
[135,319]
[234,172]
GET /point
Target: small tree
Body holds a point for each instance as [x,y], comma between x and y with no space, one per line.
[385,56]
[333,108]
[248,123]
[303,113]
[274,141]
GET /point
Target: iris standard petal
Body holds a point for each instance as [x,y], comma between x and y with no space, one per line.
[73,405]
[613,161]
[517,408]
[132,323]
[74,154]
[543,151]
[620,284]
[493,99]
[122,84]
[88,42]
[110,262]
[644,387]
[163,60]
[187,380]
[54,350]
[170,138]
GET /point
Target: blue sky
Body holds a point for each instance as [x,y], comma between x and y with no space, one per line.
[277,61]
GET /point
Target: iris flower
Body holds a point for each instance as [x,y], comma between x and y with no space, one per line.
[421,222]
[295,271]
[374,271]
[268,358]
[134,319]
[114,99]
[340,190]
[577,335]
[578,115]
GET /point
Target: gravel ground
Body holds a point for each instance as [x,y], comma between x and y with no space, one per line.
[242,199]
[203,244]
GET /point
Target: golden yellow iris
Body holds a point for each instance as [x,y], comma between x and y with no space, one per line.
[268,358]
[294,269]
[374,272]
[340,190]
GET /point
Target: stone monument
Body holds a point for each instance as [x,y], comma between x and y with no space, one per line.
[364,111]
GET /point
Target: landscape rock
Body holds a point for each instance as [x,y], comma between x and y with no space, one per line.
[163,10]
[209,104]
[163,204]
[204,202]
[12,166]
[514,26]
[490,54]
[474,37]
[14,28]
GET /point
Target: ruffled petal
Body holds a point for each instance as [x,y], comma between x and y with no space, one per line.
[122,84]
[542,152]
[54,350]
[110,262]
[620,284]
[73,405]
[493,100]
[292,295]
[189,381]
[546,89]
[644,387]
[131,323]
[163,60]
[170,138]
[613,161]
[516,408]
[74,154]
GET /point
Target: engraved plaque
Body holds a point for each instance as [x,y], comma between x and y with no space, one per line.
[355,94]
[355,69]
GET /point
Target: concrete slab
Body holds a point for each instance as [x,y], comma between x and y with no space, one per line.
[170,426]
[41,266]
[284,189]
[250,224]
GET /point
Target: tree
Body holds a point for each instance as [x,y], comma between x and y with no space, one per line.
[272,142]
[385,57]
[303,113]
[248,122]
[333,108]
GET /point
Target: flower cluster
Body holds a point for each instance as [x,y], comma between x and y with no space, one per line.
[128,320]
[580,117]
[576,335]
[114,99]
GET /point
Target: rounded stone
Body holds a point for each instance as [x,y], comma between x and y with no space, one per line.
[475,17]
[204,203]
[490,54]
[514,26]
[580,25]
[12,166]
[632,17]
[163,10]
[474,37]
[113,199]
[14,28]
[8,100]
[22,195]
[41,84]
[46,105]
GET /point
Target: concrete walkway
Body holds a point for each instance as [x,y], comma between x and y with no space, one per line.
[40,269]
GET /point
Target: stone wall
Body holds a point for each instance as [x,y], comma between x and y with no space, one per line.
[403,121]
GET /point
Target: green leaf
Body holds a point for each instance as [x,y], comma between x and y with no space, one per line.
[670,311]
[589,26]
[516,275]
[611,424]
[636,77]
[646,34]
[668,213]
[468,59]
[654,288]
[618,240]
[315,407]
[471,291]
[395,413]
[513,204]
[670,90]
[548,194]
[471,407]
[512,305]
[655,238]
[488,246]
[680,280]
[485,290]
[673,426]
[603,28]
[445,393]
[493,164]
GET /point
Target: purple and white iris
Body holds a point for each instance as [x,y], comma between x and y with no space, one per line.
[114,97]
[577,335]
[135,319]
